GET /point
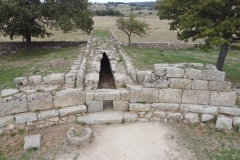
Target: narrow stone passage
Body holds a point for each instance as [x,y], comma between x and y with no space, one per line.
[106,79]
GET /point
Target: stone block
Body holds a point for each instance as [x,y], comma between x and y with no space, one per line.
[25,117]
[143,95]
[159,114]
[69,98]
[141,76]
[223,98]
[206,117]
[124,94]
[199,84]
[219,86]
[35,80]
[21,82]
[230,110]
[152,80]
[192,117]
[139,107]
[32,141]
[170,95]
[178,83]
[166,106]
[70,78]
[129,117]
[199,108]
[12,105]
[173,116]
[170,72]
[91,80]
[107,94]
[6,120]
[196,96]
[213,75]
[47,114]
[94,106]
[40,101]
[224,122]
[8,92]
[90,96]
[236,121]
[72,110]
[120,105]
[52,79]
[192,74]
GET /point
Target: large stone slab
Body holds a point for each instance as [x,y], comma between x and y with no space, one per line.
[139,107]
[32,141]
[178,83]
[52,79]
[223,98]
[224,122]
[40,101]
[166,106]
[101,118]
[72,110]
[199,108]
[25,117]
[69,98]
[8,92]
[196,96]
[199,84]
[47,114]
[120,105]
[143,95]
[35,80]
[230,111]
[94,106]
[213,75]
[219,86]
[192,74]
[107,94]
[124,94]
[6,120]
[13,105]
[91,80]
[170,95]
[169,72]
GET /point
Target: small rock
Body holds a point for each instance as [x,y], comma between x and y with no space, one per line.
[33,141]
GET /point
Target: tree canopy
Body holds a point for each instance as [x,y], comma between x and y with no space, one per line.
[132,26]
[213,20]
[31,18]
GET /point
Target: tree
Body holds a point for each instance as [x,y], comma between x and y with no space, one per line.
[213,20]
[132,26]
[31,18]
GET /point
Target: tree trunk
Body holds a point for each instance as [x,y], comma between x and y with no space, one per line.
[129,40]
[222,56]
[28,41]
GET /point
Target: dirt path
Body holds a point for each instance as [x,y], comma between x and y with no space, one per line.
[141,141]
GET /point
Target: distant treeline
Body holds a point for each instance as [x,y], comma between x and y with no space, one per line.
[143,4]
[108,12]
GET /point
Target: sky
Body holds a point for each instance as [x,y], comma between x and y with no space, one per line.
[126,1]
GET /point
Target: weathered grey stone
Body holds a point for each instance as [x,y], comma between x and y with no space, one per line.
[192,117]
[223,98]
[6,120]
[224,122]
[94,106]
[236,121]
[33,141]
[35,80]
[91,80]
[139,107]
[85,137]
[12,105]
[124,94]
[210,66]
[148,115]
[10,127]
[8,92]
[199,84]
[178,83]
[152,80]
[159,114]
[94,66]
[90,96]
[40,101]
[173,116]
[169,72]
[120,105]
[141,76]
[196,96]
[21,82]
[25,117]
[143,95]
[219,86]
[70,78]
[199,108]
[170,95]
[166,106]
[129,117]
[47,114]
[230,110]
[206,117]
[213,75]
[53,79]
[192,74]
[72,110]
[69,98]
[107,94]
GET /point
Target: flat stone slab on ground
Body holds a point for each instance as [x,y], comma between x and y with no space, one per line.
[101,118]
[7,92]
[33,141]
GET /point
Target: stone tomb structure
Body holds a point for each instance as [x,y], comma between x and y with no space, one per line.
[189,93]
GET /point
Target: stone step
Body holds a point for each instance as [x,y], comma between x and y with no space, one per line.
[101,118]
